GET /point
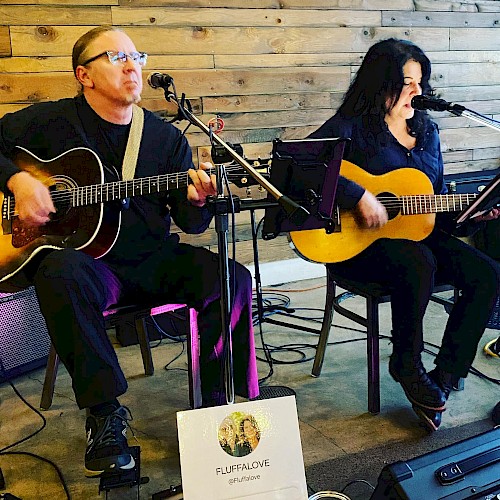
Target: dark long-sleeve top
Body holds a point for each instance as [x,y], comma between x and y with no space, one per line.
[377,151]
[49,129]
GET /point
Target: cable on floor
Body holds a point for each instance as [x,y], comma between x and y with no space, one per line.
[3,451]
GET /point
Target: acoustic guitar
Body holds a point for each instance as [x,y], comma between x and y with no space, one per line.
[407,195]
[88,208]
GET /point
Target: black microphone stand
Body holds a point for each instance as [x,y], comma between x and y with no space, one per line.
[460,110]
[219,206]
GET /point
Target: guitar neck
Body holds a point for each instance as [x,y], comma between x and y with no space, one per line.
[109,191]
[429,203]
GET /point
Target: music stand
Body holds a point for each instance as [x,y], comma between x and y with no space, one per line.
[307,172]
[486,201]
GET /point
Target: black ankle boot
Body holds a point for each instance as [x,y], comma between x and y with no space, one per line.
[495,416]
[419,388]
[446,381]
[431,419]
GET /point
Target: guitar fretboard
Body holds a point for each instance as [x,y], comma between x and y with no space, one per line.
[429,203]
[101,193]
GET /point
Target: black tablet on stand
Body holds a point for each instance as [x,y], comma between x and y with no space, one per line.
[488,199]
[306,171]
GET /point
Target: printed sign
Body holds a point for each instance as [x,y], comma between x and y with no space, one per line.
[242,451]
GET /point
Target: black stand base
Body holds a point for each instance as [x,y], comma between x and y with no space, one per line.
[128,478]
[173,492]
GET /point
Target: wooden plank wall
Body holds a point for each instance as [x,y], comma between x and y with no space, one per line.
[269,68]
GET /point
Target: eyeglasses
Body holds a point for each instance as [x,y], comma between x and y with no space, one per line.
[120,57]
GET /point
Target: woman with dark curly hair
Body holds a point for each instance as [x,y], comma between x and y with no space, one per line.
[249,436]
[386,134]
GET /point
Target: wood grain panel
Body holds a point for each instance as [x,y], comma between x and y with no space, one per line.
[54,15]
[471,166]
[288,60]
[278,4]
[259,81]
[15,87]
[30,41]
[440,19]
[4,41]
[463,56]
[465,74]
[463,5]
[474,38]
[46,86]
[45,40]
[190,61]
[469,93]
[197,139]
[273,119]
[69,3]
[352,4]
[482,137]
[160,63]
[269,102]
[34,64]
[235,4]
[485,153]
[447,120]
[455,156]
[245,17]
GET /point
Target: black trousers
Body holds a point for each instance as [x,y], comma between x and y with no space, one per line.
[410,269]
[73,289]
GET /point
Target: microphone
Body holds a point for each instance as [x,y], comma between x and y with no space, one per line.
[160,80]
[436,104]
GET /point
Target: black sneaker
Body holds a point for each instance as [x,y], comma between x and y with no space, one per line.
[107,448]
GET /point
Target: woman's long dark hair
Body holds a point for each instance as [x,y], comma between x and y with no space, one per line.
[380,80]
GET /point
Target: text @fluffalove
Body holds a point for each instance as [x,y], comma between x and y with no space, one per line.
[249,466]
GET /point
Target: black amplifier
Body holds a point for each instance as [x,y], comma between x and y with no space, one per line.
[24,340]
[469,469]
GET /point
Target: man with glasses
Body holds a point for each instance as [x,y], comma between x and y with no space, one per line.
[145,261]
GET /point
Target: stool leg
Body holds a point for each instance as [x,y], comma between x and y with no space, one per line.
[193,353]
[325,327]
[142,336]
[50,379]
[373,355]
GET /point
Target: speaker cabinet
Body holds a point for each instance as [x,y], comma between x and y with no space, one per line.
[468,469]
[24,340]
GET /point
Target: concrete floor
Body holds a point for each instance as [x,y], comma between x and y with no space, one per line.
[332,409]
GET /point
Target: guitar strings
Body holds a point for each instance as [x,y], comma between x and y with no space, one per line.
[111,188]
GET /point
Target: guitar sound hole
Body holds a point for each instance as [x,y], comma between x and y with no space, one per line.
[391,203]
[61,197]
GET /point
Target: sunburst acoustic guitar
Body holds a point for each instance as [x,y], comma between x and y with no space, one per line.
[88,208]
[408,197]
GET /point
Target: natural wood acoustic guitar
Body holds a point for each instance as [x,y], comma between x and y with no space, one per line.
[407,195]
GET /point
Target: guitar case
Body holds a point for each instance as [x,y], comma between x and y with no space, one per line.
[469,469]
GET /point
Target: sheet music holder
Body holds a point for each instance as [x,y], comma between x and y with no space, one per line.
[488,199]
[306,171]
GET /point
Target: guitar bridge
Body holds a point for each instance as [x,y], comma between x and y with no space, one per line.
[6,219]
